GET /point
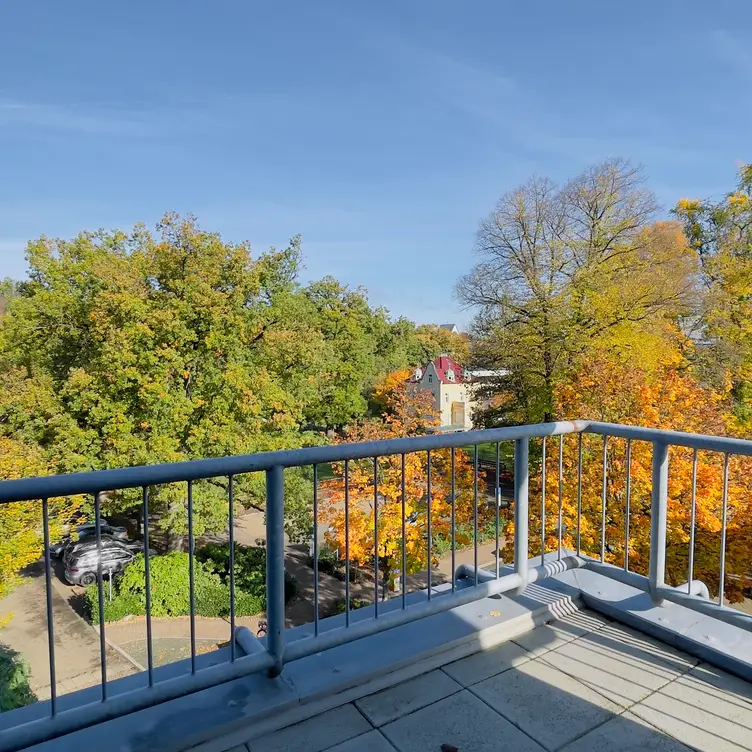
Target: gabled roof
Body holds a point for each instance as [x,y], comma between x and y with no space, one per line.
[442,364]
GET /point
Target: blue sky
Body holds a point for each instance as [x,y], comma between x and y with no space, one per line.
[381,131]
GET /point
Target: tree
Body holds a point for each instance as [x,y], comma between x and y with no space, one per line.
[21,523]
[564,269]
[408,414]
[139,348]
[435,340]
[133,349]
[360,345]
[720,233]
[669,397]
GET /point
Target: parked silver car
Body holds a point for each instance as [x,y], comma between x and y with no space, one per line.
[81,559]
[87,530]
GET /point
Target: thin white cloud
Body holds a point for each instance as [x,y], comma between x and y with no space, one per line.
[77,118]
[522,119]
[737,54]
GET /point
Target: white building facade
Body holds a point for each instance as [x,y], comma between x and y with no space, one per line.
[452,392]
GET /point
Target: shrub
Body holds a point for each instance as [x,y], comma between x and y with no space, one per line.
[15,691]
[250,569]
[170,591]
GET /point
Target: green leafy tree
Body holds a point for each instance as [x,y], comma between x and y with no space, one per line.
[135,349]
[433,341]
[720,232]
[361,345]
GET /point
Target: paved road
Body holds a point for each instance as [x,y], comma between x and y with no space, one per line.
[76,643]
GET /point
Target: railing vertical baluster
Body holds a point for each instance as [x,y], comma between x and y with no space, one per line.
[543,502]
[347,543]
[521,477]
[628,500]
[693,510]
[231,525]
[48,599]
[561,493]
[722,573]
[376,594]
[658,514]
[475,513]
[603,498]
[316,550]
[404,539]
[191,577]
[579,493]
[497,498]
[147,584]
[453,521]
[100,591]
[428,514]
[275,567]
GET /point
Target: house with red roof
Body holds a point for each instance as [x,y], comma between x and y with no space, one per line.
[450,386]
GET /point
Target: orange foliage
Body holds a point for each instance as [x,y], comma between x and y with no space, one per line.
[667,399]
[407,413]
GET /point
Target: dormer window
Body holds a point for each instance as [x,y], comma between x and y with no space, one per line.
[450,374]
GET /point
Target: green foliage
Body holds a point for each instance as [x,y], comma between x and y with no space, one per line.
[170,591]
[15,691]
[360,345]
[442,544]
[339,607]
[250,568]
[140,348]
[720,233]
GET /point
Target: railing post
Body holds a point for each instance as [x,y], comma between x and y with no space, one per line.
[275,566]
[521,477]
[658,509]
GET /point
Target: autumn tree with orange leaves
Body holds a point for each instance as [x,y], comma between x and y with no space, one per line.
[374,494]
[667,397]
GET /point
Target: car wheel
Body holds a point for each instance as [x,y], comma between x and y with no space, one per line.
[88,578]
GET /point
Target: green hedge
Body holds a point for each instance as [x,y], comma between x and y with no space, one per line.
[15,691]
[170,591]
[250,568]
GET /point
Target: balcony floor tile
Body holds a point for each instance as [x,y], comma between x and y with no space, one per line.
[547,704]
[706,709]
[551,636]
[373,741]
[316,734]
[462,721]
[405,698]
[487,663]
[626,733]
[619,663]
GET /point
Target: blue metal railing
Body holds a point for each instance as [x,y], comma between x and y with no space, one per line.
[276,652]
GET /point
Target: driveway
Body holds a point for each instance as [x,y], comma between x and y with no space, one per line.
[76,642]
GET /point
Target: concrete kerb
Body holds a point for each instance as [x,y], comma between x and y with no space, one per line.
[123,653]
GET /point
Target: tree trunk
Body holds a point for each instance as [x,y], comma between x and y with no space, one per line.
[175,541]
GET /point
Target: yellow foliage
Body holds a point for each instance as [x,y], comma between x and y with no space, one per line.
[21,532]
[669,399]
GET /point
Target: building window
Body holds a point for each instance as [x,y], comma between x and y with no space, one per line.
[446,398]
[430,378]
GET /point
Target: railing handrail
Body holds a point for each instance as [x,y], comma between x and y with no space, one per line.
[723,444]
[277,653]
[96,481]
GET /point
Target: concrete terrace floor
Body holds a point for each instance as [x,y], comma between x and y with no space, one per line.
[580,684]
